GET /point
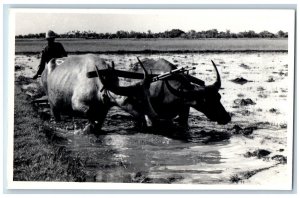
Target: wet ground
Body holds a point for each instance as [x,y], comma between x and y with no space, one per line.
[252,149]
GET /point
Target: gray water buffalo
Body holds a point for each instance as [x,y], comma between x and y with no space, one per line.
[69,90]
[174,96]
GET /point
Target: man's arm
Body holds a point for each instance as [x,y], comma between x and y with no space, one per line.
[41,66]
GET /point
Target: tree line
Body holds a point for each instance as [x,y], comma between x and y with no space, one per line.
[174,33]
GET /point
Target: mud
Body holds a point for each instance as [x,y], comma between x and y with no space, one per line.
[207,153]
[240,80]
[244,102]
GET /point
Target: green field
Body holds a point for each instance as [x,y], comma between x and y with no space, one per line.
[78,46]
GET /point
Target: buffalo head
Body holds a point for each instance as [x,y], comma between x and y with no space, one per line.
[203,98]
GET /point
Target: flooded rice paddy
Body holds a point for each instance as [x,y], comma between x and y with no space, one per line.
[252,149]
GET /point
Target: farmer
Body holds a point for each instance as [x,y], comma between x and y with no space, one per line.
[52,50]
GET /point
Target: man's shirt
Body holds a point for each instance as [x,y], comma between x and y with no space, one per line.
[56,50]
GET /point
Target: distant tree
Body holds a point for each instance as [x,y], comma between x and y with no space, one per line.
[222,35]
[251,34]
[213,33]
[234,35]
[201,34]
[266,34]
[77,34]
[42,35]
[122,34]
[248,34]
[174,33]
[149,34]
[228,34]
[106,35]
[281,34]
[240,35]
[191,34]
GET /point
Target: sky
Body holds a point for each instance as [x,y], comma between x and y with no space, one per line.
[102,21]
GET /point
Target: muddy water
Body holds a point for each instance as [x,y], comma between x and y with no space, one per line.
[208,153]
[140,157]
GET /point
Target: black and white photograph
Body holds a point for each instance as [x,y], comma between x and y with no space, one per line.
[151,98]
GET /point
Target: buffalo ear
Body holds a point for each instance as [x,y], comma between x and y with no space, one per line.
[188,94]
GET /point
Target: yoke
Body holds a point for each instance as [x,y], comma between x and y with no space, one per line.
[134,75]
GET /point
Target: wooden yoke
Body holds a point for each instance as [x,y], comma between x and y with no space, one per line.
[133,75]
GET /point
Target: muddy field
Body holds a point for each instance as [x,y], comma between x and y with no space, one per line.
[252,149]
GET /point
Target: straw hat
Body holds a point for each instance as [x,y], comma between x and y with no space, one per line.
[50,34]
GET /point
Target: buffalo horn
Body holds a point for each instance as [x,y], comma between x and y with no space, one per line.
[146,85]
[217,84]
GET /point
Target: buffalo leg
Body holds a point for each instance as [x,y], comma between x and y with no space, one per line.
[183,117]
[140,119]
[96,117]
[55,112]
[101,115]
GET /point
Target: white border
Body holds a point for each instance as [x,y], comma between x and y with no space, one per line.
[11,93]
[137,186]
[153,2]
[290,116]
[121,186]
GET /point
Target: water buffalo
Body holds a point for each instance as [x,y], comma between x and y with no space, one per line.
[69,91]
[174,96]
